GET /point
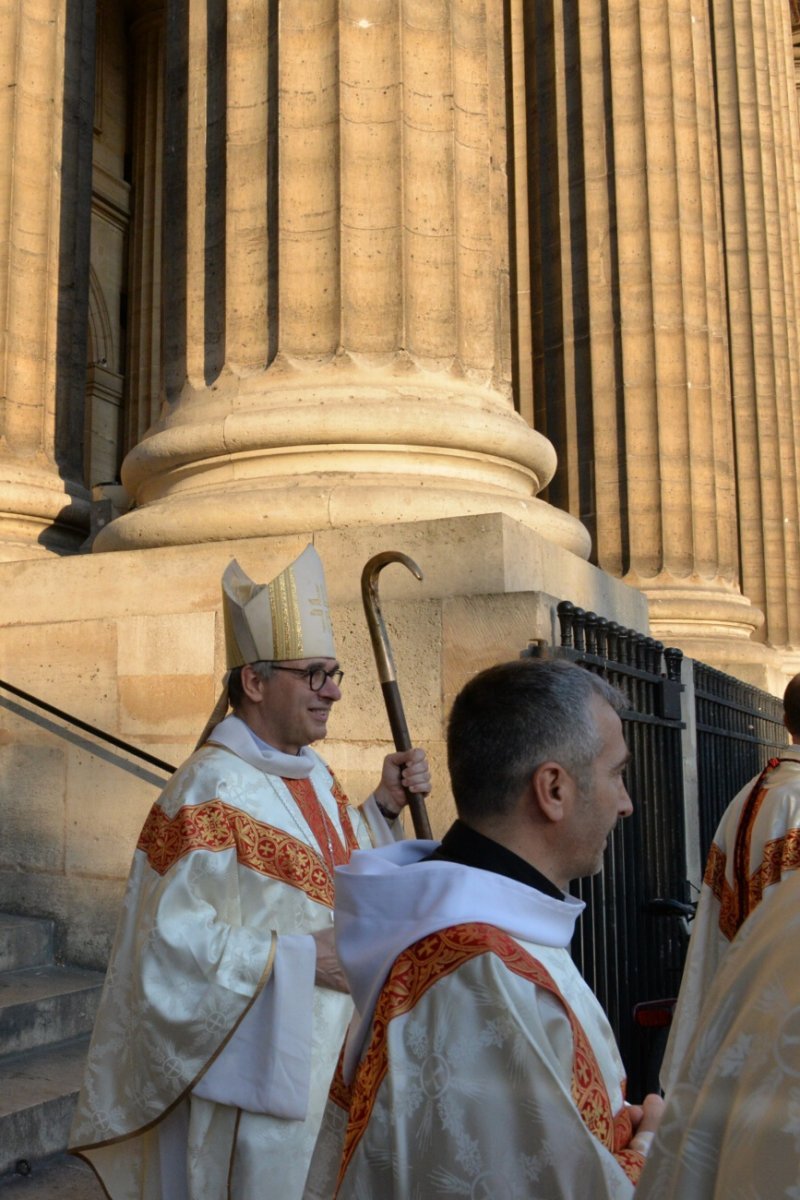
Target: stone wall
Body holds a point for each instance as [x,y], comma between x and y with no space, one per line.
[133,643]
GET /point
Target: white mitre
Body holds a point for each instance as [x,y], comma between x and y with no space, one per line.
[287,618]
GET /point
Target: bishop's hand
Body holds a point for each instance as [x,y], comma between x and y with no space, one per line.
[403,769]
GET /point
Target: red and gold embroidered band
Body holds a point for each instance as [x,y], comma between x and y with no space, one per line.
[260,847]
[780,855]
[421,966]
[325,832]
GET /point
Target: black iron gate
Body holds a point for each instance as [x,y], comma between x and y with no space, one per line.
[624,953]
[739,728]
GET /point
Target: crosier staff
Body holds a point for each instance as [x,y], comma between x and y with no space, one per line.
[386,670]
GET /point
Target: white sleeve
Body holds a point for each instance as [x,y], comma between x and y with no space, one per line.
[382,832]
[265,1067]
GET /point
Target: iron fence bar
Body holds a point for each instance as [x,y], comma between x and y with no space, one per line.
[102,734]
[737,706]
[732,734]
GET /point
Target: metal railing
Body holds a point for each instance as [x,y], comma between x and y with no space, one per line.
[94,731]
[739,728]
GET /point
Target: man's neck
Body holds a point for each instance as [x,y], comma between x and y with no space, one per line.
[528,844]
[472,848]
[260,741]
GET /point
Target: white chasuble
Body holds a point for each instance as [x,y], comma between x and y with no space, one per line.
[489,1069]
[213,1050]
[731,1127]
[480,1079]
[756,845]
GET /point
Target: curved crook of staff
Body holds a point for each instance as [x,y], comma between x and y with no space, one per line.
[386,671]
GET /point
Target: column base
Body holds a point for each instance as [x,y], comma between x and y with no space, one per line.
[290,452]
[767,667]
[711,621]
[697,609]
[40,514]
[314,506]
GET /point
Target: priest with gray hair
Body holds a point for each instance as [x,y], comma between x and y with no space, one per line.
[224,1007]
[480,1063]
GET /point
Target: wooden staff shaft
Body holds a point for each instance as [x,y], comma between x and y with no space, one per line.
[402,741]
[386,673]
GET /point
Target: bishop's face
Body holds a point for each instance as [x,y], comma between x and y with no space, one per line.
[288,714]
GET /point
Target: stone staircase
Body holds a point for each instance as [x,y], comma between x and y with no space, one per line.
[46,1016]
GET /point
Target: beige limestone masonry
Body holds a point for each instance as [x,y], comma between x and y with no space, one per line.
[94,636]
[630,337]
[43,249]
[760,173]
[338,350]
[401,273]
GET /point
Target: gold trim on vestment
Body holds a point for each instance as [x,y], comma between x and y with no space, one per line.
[780,856]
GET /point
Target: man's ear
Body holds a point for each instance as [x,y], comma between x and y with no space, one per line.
[553,790]
[252,683]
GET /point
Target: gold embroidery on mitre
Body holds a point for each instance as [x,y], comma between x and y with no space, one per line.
[319,611]
[287,626]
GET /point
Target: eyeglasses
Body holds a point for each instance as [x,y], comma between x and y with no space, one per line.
[317,676]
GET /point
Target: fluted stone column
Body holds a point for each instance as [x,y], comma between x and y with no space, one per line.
[630,338]
[338,332]
[760,171]
[46,74]
[147,140]
[680,474]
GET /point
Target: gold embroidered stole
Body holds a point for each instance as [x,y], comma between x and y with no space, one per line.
[325,832]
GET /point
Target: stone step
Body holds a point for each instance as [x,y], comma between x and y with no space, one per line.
[43,1005]
[38,1091]
[60,1178]
[24,942]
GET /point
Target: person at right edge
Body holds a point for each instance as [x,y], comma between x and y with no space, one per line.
[479,1062]
[731,1124]
[755,847]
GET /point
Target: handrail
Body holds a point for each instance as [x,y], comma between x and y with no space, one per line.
[87,728]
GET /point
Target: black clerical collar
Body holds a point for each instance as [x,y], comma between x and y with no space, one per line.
[462,844]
